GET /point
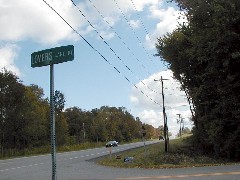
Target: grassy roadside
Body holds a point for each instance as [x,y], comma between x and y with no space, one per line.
[179,155]
[47,149]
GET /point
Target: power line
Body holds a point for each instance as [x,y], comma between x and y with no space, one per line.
[125,17]
[139,17]
[114,52]
[144,67]
[99,53]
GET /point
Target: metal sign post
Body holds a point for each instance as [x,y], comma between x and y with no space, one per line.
[51,57]
[52,119]
[110,152]
[143,138]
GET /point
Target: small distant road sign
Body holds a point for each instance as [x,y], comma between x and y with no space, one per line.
[52,56]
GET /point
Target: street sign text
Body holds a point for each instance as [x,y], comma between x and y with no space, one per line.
[52,56]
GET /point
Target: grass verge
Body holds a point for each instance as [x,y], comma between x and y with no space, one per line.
[47,149]
[180,155]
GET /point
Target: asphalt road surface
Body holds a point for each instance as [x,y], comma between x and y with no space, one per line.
[76,165]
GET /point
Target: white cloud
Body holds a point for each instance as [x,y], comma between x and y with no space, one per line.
[109,20]
[174,100]
[112,12]
[173,95]
[24,19]
[134,23]
[8,54]
[151,117]
[168,21]
[172,119]
[140,4]
[107,35]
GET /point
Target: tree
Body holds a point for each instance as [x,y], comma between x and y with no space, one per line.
[61,122]
[11,98]
[59,101]
[35,113]
[104,124]
[204,55]
[150,131]
[74,120]
[161,130]
[23,114]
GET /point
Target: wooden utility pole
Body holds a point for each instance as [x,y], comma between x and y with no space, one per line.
[164,117]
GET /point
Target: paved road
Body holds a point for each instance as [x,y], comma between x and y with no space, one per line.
[75,165]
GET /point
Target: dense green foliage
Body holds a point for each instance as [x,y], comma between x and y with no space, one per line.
[204,56]
[105,124]
[25,120]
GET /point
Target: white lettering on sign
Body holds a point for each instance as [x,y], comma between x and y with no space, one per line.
[70,52]
[60,54]
[44,57]
[52,56]
[64,53]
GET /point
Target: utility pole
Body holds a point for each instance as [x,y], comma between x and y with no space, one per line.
[164,117]
[179,121]
[182,127]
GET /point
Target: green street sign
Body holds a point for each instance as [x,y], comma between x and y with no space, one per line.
[52,56]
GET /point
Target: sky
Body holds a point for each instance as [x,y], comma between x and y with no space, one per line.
[114,46]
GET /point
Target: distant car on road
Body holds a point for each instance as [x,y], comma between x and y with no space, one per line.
[111,144]
[161,138]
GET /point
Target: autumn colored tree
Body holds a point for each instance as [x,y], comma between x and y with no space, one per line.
[23,114]
[25,119]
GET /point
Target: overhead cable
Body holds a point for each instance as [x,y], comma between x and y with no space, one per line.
[114,52]
[139,17]
[121,39]
[99,53]
[140,42]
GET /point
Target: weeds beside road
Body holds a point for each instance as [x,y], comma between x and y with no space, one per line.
[180,155]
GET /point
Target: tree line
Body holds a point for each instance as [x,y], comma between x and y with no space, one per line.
[204,55]
[25,119]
